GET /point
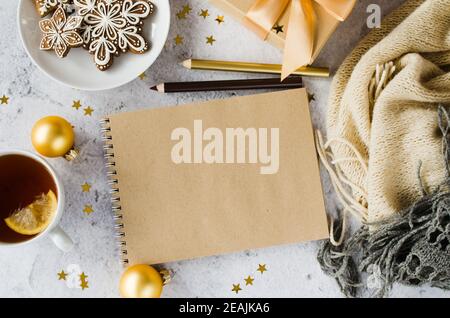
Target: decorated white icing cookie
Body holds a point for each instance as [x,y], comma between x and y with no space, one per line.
[112,27]
[45,7]
[85,6]
[60,33]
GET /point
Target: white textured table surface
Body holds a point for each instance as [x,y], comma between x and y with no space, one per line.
[31,271]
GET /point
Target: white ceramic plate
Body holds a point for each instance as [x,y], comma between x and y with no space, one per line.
[78,70]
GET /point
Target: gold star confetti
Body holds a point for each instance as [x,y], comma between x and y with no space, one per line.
[4,100]
[220,19]
[181,15]
[142,76]
[88,111]
[76,104]
[311,97]
[187,9]
[210,40]
[84,285]
[262,268]
[88,209]
[178,39]
[62,275]
[83,281]
[86,187]
[204,13]
[249,280]
[278,28]
[236,288]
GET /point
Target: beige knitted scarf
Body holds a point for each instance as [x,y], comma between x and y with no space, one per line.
[383,115]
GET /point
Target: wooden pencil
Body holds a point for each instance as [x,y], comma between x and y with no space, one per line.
[228,85]
[251,67]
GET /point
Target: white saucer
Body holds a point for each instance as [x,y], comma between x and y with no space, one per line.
[78,70]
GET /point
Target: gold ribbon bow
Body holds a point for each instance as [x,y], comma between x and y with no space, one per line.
[301,32]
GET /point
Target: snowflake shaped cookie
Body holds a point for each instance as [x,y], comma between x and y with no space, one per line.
[60,33]
[112,27]
[45,7]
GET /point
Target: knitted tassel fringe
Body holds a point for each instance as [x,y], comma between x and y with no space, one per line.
[411,248]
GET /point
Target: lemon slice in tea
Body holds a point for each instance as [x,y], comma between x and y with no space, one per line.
[34,218]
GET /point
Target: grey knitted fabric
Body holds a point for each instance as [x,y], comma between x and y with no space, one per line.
[411,247]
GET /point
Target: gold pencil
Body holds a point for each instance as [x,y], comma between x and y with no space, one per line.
[251,67]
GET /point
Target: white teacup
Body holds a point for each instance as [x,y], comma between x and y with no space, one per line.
[58,236]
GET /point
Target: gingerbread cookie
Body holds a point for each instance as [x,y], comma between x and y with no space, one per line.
[61,33]
[85,6]
[112,27]
[45,7]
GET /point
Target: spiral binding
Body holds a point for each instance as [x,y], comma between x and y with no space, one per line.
[115,192]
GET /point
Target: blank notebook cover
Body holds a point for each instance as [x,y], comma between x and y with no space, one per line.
[178,196]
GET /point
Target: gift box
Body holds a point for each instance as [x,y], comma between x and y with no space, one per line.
[325,17]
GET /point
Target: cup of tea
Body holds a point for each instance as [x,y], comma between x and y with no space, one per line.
[32,201]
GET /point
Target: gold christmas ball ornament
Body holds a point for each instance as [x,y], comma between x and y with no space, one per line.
[143,281]
[53,137]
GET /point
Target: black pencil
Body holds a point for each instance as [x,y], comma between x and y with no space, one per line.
[265,83]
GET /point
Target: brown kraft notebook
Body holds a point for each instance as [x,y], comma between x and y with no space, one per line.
[214,177]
